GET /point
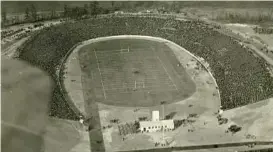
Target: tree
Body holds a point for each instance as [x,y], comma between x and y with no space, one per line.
[27,14]
[43,16]
[112,4]
[175,7]
[53,14]
[3,16]
[85,9]
[16,19]
[113,7]
[66,11]
[94,8]
[75,13]
[33,12]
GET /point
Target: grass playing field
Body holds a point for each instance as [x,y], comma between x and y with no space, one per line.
[132,72]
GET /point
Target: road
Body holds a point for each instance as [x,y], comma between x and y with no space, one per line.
[10,51]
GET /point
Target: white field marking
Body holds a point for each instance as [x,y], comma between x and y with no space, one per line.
[117,51]
[152,80]
[100,75]
[114,92]
[150,70]
[164,68]
[124,52]
[149,87]
[132,60]
[135,83]
[167,73]
[128,49]
[149,84]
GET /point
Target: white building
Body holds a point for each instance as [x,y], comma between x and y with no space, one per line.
[153,126]
[156,124]
[155,116]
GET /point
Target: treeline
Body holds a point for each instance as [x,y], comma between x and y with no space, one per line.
[29,16]
[247,17]
[88,9]
[69,12]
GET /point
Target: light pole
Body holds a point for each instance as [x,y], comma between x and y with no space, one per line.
[162,103]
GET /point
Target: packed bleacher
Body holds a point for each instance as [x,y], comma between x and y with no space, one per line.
[242,78]
[7,33]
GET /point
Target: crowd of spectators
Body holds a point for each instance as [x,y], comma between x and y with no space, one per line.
[7,33]
[242,78]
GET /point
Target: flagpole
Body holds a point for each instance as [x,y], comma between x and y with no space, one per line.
[163,137]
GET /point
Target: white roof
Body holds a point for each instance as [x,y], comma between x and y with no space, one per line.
[155,123]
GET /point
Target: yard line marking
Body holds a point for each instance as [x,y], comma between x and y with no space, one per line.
[167,72]
[146,87]
[100,75]
[135,83]
[164,68]
[133,86]
[161,90]
[118,50]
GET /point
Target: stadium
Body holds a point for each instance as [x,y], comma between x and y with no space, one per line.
[106,67]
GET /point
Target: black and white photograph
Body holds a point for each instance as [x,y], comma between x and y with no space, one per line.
[137,76]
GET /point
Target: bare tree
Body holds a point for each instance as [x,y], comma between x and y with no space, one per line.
[112,4]
[66,11]
[33,12]
[3,16]
[53,14]
[85,9]
[27,14]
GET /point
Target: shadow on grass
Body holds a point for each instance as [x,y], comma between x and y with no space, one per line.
[170,115]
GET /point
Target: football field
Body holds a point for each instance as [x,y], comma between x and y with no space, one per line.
[132,72]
